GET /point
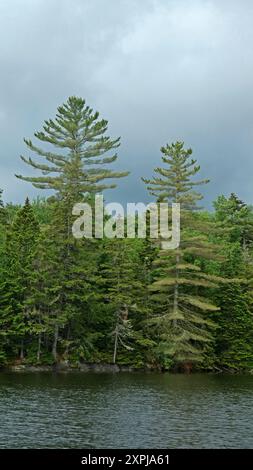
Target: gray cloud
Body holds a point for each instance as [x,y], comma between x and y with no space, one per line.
[158,70]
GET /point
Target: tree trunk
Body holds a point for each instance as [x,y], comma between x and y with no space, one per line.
[175,302]
[115,344]
[67,338]
[22,350]
[54,348]
[39,348]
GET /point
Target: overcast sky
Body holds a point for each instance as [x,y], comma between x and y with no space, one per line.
[158,70]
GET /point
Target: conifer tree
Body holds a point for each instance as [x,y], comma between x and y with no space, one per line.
[2,211]
[2,227]
[181,305]
[18,271]
[234,334]
[64,288]
[122,290]
[76,171]
[79,165]
[235,218]
[235,325]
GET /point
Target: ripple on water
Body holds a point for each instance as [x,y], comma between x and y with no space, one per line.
[125,411]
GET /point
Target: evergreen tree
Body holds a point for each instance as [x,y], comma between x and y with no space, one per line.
[123,291]
[184,329]
[2,210]
[235,325]
[234,334]
[2,228]
[18,272]
[63,290]
[80,173]
[235,218]
[79,168]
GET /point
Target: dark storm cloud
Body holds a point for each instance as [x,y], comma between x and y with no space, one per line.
[158,70]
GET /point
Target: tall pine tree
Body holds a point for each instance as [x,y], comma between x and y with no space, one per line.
[79,165]
[180,302]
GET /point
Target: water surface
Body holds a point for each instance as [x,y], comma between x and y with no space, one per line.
[89,410]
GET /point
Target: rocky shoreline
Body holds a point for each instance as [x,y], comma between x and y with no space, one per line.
[84,367]
[80,367]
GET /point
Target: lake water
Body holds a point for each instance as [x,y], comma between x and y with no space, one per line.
[125,410]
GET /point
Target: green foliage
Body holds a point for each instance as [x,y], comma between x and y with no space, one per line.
[174,182]
[82,148]
[180,305]
[16,277]
[122,300]
[123,290]
[235,333]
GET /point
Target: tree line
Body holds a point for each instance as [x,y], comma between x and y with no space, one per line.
[121,300]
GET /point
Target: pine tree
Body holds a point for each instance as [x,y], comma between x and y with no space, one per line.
[2,228]
[122,290]
[18,272]
[2,210]
[64,289]
[79,167]
[234,334]
[173,183]
[235,323]
[235,218]
[179,287]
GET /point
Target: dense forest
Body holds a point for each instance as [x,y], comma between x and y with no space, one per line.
[122,300]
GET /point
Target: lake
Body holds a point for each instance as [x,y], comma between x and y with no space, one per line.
[125,410]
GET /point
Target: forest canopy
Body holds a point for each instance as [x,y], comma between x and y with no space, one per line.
[125,301]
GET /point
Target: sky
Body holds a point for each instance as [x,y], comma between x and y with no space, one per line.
[158,70]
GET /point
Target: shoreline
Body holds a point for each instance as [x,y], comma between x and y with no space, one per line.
[64,367]
[80,367]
